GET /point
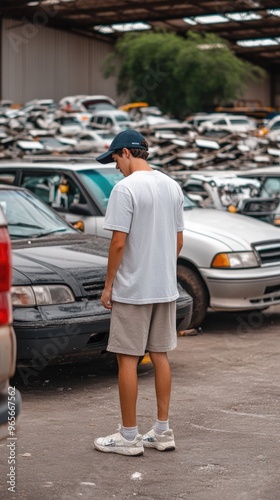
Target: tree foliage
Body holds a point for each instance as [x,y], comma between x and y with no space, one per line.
[179,75]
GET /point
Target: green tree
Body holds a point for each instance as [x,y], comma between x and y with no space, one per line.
[179,75]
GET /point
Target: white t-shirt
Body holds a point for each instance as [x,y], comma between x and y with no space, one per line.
[148,205]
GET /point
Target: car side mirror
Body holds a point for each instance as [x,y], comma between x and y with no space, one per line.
[79,224]
[79,209]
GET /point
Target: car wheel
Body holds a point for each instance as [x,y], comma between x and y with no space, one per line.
[194,285]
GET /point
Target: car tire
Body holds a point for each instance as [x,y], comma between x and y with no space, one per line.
[194,285]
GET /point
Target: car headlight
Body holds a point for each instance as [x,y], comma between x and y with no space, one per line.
[235,260]
[26,296]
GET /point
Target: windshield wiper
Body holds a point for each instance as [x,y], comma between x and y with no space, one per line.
[40,235]
[22,224]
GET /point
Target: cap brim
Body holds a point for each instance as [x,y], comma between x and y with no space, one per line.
[105,157]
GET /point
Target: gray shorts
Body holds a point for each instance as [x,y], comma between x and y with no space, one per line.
[146,327]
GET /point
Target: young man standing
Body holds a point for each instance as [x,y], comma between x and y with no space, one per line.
[145,213]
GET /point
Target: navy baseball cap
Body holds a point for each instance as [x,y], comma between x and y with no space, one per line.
[127,139]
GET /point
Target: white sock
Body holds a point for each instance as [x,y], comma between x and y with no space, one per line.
[161,426]
[129,433]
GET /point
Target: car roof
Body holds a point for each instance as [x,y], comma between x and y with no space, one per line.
[273,170]
[235,117]
[230,178]
[110,112]
[57,165]
[273,120]
[8,187]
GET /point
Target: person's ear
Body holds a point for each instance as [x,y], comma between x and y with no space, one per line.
[126,152]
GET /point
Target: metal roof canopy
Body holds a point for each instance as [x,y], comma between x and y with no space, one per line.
[252,24]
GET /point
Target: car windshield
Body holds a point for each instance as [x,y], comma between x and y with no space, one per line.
[121,118]
[29,217]
[105,135]
[275,126]
[239,121]
[271,186]
[98,105]
[100,183]
[51,142]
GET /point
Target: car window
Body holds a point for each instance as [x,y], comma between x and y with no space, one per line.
[68,120]
[220,122]
[96,105]
[100,184]
[51,142]
[275,126]
[105,135]
[271,187]
[198,194]
[199,121]
[56,190]
[7,177]
[240,121]
[28,217]
[194,188]
[121,118]
[86,137]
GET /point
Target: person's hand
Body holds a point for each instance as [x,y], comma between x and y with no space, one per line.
[106,298]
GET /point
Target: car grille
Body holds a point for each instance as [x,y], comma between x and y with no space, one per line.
[94,288]
[269,253]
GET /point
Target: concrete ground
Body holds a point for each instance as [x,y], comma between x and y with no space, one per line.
[225,413]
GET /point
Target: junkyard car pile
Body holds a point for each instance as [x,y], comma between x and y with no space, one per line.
[58,277]
[229,262]
[44,127]
[237,194]
[86,124]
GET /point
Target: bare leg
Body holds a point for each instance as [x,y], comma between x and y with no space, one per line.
[162,383]
[128,388]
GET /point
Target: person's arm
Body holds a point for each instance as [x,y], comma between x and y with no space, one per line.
[179,242]
[115,257]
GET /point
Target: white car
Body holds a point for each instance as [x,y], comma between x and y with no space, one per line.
[114,120]
[229,262]
[87,103]
[197,119]
[69,125]
[271,130]
[89,140]
[45,103]
[99,140]
[232,123]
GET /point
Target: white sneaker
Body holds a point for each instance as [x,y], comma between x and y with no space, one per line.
[162,442]
[116,443]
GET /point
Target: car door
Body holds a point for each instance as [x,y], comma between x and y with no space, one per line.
[60,190]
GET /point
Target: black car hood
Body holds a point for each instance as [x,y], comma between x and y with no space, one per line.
[65,259]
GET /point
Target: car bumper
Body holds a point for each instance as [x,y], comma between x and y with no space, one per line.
[46,333]
[242,289]
[55,333]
